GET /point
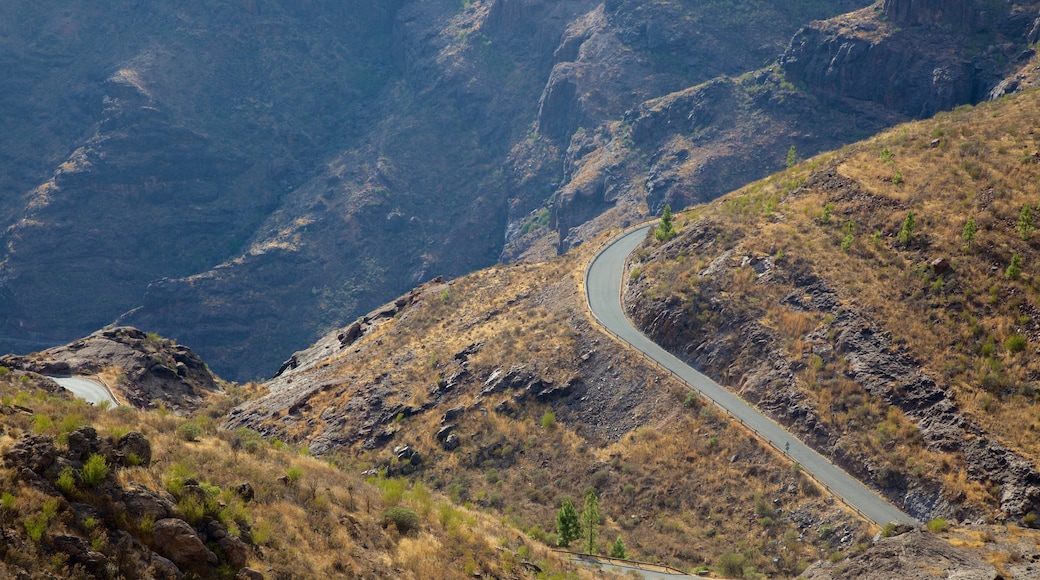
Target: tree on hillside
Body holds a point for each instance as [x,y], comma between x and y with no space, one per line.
[906,233]
[666,229]
[1025,222]
[590,522]
[969,231]
[618,549]
[792,157]
[568,528]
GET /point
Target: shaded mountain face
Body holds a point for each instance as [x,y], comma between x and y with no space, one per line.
[245,176]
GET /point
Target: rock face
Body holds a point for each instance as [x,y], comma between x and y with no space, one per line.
[152,370]
[271,180]
[918,59]
[177,540]
[315,160]
[737,349]
[915,555]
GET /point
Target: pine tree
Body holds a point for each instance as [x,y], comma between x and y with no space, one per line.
[1014,269]
[970,228]
[618,549]
[1025,223]
[568,528]
[666,229]
[792,157]
[590,522]
[906,234]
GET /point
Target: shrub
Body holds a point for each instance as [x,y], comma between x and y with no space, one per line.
[691,400]
[548,420]
[190,431]
[294,474]
[66,481]
[828,208]
[94,470]
[35,526]
[1015,343]
[404,519]
[937,525]
[731,565]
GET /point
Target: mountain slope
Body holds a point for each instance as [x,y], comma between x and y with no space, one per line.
[180,499]
[901,347]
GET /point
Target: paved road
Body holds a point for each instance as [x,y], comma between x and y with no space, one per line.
[603,287]
[622,567]
[91,391]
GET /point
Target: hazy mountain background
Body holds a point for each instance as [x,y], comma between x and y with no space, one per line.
[245,176]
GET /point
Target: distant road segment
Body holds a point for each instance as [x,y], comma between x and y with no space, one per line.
[603,281]
[92,392]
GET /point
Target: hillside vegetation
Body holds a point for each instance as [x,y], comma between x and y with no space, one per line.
[497,390]
[881,300]
[191,499]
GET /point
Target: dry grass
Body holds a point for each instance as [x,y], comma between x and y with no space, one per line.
[981,162]
[324,525]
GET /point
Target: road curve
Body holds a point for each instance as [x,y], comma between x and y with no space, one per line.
[603,280]
[89,390]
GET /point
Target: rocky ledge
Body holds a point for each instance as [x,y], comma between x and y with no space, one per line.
[146,371]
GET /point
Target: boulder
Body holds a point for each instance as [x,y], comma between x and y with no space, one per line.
[451,442]
[82,443]
[141,502]
[33,452]
[134,445]
[248,574]
[235,551]
[245,491]
[176,539]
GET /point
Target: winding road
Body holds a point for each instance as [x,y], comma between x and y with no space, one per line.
[603,281]
[89,390]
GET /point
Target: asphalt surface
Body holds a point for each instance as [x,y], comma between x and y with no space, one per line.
[603,287]
[627,568]
[92,392]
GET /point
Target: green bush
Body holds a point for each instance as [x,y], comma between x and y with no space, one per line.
[35,526]
[691,400]
[1015,343]
[937,525]
[404,519]
[294,475]
[66,481]
[190,431]
[94,470]
[731,565]
[548,420]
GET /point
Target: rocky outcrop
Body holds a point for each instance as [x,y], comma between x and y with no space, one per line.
[916,555]
[738,350]
[959,14]
[152,370]
[178,541]
[916,57]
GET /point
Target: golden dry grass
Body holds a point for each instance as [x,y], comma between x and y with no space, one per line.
[981,163]
[325,525]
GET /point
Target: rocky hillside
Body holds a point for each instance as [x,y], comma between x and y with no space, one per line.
[86,493]
[318,158]
[879,301]
[497,389]
[140,370]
